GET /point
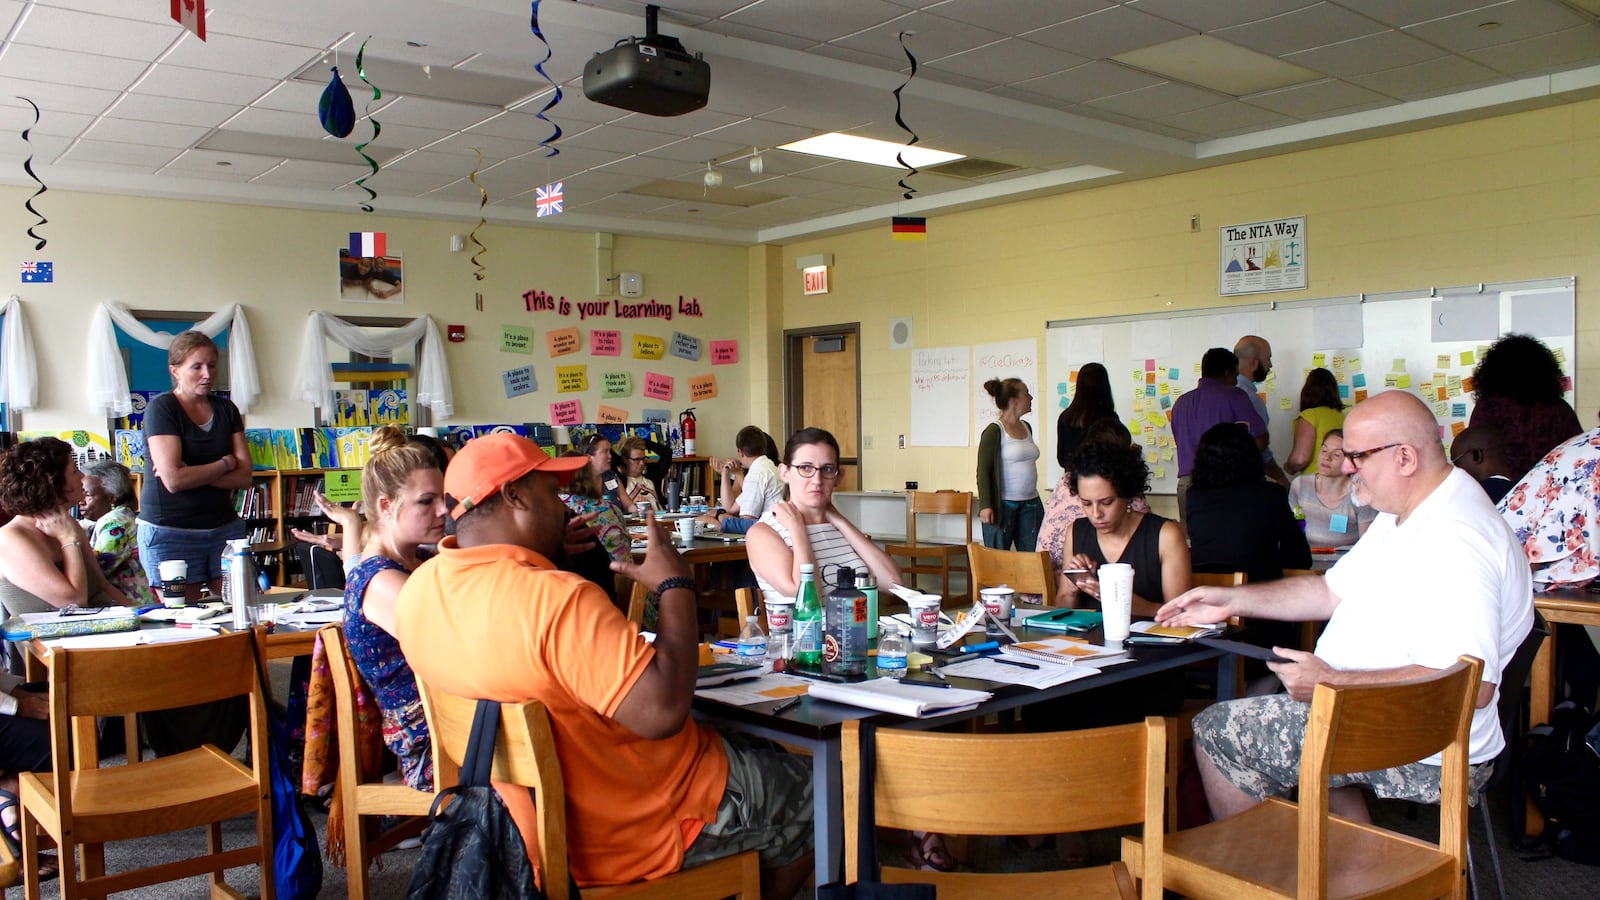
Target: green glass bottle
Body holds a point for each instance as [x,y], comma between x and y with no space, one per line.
[808,620]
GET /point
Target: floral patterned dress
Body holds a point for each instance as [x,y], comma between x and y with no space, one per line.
[115,540]
[1552,510]
[383,667]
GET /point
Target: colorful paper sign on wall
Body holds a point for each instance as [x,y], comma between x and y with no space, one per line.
[724,353]
[702,387]
[562,341]
[657,386]
[655,416]
[611,415]
[566,412]
[616,384]
[648,347]
[519,381]
[685,346]
[516,339]
[605,342]
[572,379]
[342,485]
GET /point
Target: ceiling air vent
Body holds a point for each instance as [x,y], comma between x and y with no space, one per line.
[972,167]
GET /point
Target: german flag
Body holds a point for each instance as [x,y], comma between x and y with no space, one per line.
[909,228]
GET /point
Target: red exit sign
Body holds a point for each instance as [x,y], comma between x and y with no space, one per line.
[816,279]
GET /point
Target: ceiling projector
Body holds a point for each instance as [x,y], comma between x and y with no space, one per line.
[653,75]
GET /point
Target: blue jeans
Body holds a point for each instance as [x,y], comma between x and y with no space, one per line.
[1017,526]
[201,548]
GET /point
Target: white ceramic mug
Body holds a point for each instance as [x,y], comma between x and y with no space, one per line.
[1116,600]
[685,528]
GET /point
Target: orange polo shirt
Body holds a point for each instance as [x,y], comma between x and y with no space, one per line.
[500,622]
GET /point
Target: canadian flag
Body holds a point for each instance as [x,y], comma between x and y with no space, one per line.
[191,14]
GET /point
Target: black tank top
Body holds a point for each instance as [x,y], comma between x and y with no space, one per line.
[1143,553]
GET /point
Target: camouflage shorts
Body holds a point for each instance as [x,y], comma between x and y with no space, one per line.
[766,806]
[1256,742]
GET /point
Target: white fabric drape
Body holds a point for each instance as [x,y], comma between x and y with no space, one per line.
[432,375]
[19,371]
[108,380]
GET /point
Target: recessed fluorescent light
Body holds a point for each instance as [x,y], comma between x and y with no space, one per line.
[869,150]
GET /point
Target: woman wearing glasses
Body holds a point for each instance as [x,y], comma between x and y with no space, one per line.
[807,527]
[635,484]
[598,449]
[1333,518]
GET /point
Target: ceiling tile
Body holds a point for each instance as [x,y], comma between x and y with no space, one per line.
[104,35]
[393,135]
[285,124]
[612,203]
[1429,79]
[235,22]
[759,133]
[43,148]
[69,68]
[1008,61]
[146,12]
[617,139]
[1365,55]
[199,161]
[600,183]
[819,20]
[647,167]
[156,134]
[698,150]
[1519,20]
[1574,46]
[1226,119]
[1410,12]
[762,35]
[893,63]
[1159,101]
[85,151]
[52,96]
[574,107]
[458,165]
[934,37]
[1090,81]
[437,114]
[1315,100]
[196,84]
[1301,29]
[1108,32]
[1014,16]
[300,173]
[687,125]
[16,115]
[241,56]
[1210,16]
[294,96]
[493,147]
[146,108]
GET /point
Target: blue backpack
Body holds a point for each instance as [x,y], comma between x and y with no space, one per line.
[296,857]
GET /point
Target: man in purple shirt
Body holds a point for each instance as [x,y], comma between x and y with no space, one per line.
[1214,400]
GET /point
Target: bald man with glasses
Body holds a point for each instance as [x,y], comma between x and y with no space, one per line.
[1437,575]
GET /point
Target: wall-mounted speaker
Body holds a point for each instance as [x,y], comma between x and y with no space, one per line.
[900,334]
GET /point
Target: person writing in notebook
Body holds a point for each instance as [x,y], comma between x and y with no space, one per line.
[1438,575]
[649,790]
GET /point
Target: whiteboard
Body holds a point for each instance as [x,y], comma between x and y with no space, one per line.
[941,396]
[1423,341]
[1009,359]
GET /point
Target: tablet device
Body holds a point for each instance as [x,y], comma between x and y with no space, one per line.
[1242,649]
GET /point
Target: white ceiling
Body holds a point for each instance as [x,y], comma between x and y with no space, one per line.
[131,103]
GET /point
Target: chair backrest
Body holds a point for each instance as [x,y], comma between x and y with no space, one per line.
[747,602]
[1295,573]
[638,597]
[345,676]
[1513,675]
[1108,777]
[524,754]
[321,566]
[938,503]
[1368,727]
[1027,573]
[1217,579]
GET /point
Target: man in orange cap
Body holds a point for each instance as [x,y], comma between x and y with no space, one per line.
[649,791]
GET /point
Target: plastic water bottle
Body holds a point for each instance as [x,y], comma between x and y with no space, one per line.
[844,635]
[752,642]
[868,585]
[892,653]
[808,620]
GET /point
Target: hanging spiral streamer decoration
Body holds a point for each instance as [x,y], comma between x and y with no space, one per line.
[547,143]
[900,157]
[377,129]
[27,166]
[483,200]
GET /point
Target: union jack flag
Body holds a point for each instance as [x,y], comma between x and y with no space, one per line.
[547,200]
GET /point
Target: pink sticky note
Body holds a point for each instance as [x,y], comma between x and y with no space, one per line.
[604,342]
[657,386]
[724,353]
[612,414]
[1149,365]
[567,412]
[1566,383]
[702,387]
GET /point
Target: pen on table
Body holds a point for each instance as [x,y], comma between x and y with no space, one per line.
[937,674]
[1013,662]
[788,704]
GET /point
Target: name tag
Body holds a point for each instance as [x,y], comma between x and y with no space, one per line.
[1340,524]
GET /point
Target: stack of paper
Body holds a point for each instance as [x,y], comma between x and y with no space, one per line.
[1061,651]
[909,700]
[1035,675]
[765,689]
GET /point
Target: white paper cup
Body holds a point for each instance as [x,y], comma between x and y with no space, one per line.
[174,580]
[780,616]
[998,602]
[1116,600]
[925,619]
[686,529]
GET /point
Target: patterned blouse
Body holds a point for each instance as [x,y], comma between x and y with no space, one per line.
[1552,510]
[383,667]
[116,545]
[608,528]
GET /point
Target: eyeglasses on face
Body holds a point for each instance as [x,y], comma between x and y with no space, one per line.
[828,471]
[637,459]
[1357,457]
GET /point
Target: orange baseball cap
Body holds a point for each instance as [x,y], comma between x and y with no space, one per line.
[488,463]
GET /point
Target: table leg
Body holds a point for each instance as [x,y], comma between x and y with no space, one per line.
[827,809]
[1541,693]
[1228,686]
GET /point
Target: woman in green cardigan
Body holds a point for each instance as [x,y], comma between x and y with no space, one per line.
[1008,471]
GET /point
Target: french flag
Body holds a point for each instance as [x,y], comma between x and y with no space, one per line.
[369,243]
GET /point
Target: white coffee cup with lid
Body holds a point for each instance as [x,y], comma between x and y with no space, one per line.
[1116,600]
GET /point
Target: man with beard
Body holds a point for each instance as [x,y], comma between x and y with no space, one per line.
[1255,364]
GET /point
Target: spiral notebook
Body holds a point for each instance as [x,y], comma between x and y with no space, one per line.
[1061,651]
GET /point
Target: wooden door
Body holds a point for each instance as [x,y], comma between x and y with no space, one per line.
[824,391]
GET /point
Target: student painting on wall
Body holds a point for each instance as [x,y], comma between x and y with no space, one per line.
[1321,411]
[1333,517]
[1255,364]
[1518,389]
[761,488]
[1481,450]
[1008,471]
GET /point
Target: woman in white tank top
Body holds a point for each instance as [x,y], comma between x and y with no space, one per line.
[1008,471]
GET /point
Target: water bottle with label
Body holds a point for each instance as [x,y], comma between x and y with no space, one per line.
[752,646]
[844,637]
[892,652]
[807,641]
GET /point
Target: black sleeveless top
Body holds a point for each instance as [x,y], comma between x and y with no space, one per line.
[1143,553]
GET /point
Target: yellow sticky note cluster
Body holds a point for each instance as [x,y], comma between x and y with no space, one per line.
[1285,403]
[1402,381]
[1319,360]
[1444,361]
[1466,357]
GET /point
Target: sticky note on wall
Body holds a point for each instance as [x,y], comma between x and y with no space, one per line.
[648,347]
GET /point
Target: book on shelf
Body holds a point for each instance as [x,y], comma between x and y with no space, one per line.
[1061,651]
[909,700]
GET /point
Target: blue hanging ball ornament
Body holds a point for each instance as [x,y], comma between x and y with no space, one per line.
[335,109]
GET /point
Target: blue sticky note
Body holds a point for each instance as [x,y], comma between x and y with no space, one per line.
[1061,387]
[1340,524]
[1359,379]
[1149,390]
[1173,374]
[1344,392]
[1166,402]
[1458,410]
[1066,402]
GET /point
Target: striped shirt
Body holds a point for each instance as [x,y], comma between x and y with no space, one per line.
[829,548]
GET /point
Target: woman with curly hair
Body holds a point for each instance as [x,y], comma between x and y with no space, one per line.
[1106,478]
[1321,411]
[1238,520]
[46,560]
[1518,389]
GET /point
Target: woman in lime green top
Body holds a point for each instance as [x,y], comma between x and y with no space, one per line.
[1321,411]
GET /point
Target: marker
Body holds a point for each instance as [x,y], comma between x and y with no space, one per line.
[979,648]
[1012,662]
[786,705]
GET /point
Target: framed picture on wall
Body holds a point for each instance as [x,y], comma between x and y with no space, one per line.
[371,279]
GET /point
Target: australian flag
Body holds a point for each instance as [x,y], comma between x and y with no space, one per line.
[38,273]
[547,200]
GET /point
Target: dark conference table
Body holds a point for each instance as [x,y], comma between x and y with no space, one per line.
[816,725]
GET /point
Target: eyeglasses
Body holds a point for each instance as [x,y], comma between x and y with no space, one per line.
[637,459]
[828,472]
[1356,457]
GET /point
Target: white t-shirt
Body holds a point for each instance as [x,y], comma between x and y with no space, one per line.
[1451,580]
[762,489]
[828,549]
[1019,467]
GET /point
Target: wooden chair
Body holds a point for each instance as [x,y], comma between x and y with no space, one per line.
[1027,573]
[935,559]
[364,802]
[525,755]
[1216,579]
[638,597]
[1052,783]
[80,807]
[747,601]
[1354,728]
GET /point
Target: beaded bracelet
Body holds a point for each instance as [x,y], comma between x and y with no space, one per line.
[674,583]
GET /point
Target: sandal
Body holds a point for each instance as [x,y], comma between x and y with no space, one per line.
[49,865]
[928,853]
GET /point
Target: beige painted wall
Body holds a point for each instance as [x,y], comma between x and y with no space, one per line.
[280,264]
[1512,198]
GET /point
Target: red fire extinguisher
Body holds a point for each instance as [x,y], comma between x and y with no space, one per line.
[686,429]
